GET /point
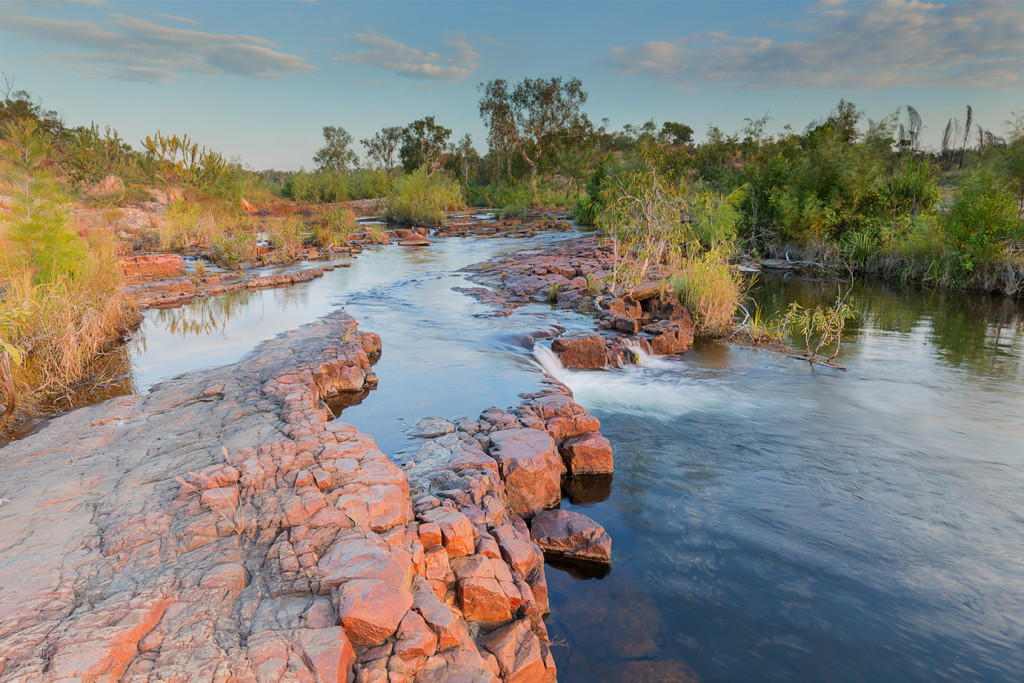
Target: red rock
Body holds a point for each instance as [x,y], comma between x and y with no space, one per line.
[335,378]
[363,558]
[430,535]
[531,468]
[153,266]
[438,617]
[568,533]
[647,290]
[414,241]
[518,651]
[482,600]
[415,637]
[328,653]
[626,307]
[520,554]
[580,350]
[588,453]
[224,499]
[671,336]
[371,610]
[456,530]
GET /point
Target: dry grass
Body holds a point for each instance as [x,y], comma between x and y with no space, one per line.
[65,325]
[710,289]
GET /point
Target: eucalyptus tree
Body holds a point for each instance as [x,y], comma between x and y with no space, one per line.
[532,116]
[383,146]
[424,145]
[337,153]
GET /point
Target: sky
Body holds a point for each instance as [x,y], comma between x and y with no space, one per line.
[257,81]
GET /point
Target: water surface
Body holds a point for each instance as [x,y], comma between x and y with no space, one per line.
[772,521]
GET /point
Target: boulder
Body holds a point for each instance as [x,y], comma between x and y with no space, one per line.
[626,306]
[588,453]
[580,350]
[570,534]
[531,468]
[414,241]
[671,336]
[647,290]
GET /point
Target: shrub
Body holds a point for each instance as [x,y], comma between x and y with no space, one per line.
[710,289]
[982,216]
[421,199]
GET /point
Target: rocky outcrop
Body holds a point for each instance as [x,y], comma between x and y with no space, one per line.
[648,315]
[225,527]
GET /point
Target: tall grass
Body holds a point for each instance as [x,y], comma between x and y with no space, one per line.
[419,199]
[61,303]
[710,289]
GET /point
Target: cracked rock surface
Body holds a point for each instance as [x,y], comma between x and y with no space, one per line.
[225,527]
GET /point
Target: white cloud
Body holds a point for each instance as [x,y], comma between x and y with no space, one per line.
[391,55]
[129,48]
[885,43]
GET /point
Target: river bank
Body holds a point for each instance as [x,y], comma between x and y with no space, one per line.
[225,525]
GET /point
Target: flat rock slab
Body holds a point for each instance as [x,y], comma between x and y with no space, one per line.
[430,427]
[414,241]
[570,534]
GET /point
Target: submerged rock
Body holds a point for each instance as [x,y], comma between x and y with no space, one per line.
[429,427]
[568,533]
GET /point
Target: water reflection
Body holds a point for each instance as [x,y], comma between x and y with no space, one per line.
[791,523]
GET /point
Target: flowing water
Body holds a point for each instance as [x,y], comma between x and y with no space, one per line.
[771,520]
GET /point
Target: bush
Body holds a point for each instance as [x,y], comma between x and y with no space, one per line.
[710,289]
[982,216]
[419,199]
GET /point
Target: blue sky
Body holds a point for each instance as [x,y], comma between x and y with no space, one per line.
[258,80]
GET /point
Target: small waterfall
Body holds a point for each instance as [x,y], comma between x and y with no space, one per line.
[550,363]
[657,387]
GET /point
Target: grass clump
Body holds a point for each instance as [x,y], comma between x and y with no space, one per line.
[61,304]
[422,199]
[710,289]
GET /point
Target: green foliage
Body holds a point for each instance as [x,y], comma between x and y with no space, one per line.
[34,234]
[336,154]
[419,198]
[710,289]
[328,186]
[90,156]
[983,216]
[333,226]
[820,326]
[180,161]
[382,147]
[424,145]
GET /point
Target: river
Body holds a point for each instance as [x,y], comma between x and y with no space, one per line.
[772,521]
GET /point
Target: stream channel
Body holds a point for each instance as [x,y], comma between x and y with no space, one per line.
[770,521]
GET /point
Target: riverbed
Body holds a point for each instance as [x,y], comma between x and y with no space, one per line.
[771,520]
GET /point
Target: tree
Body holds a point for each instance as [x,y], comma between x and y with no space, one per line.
[464,156]
[424,145]
[537,112]
[35,237]
[676,134]
[336,154]
[382,147]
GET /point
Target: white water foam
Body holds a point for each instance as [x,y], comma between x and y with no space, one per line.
[657,387]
